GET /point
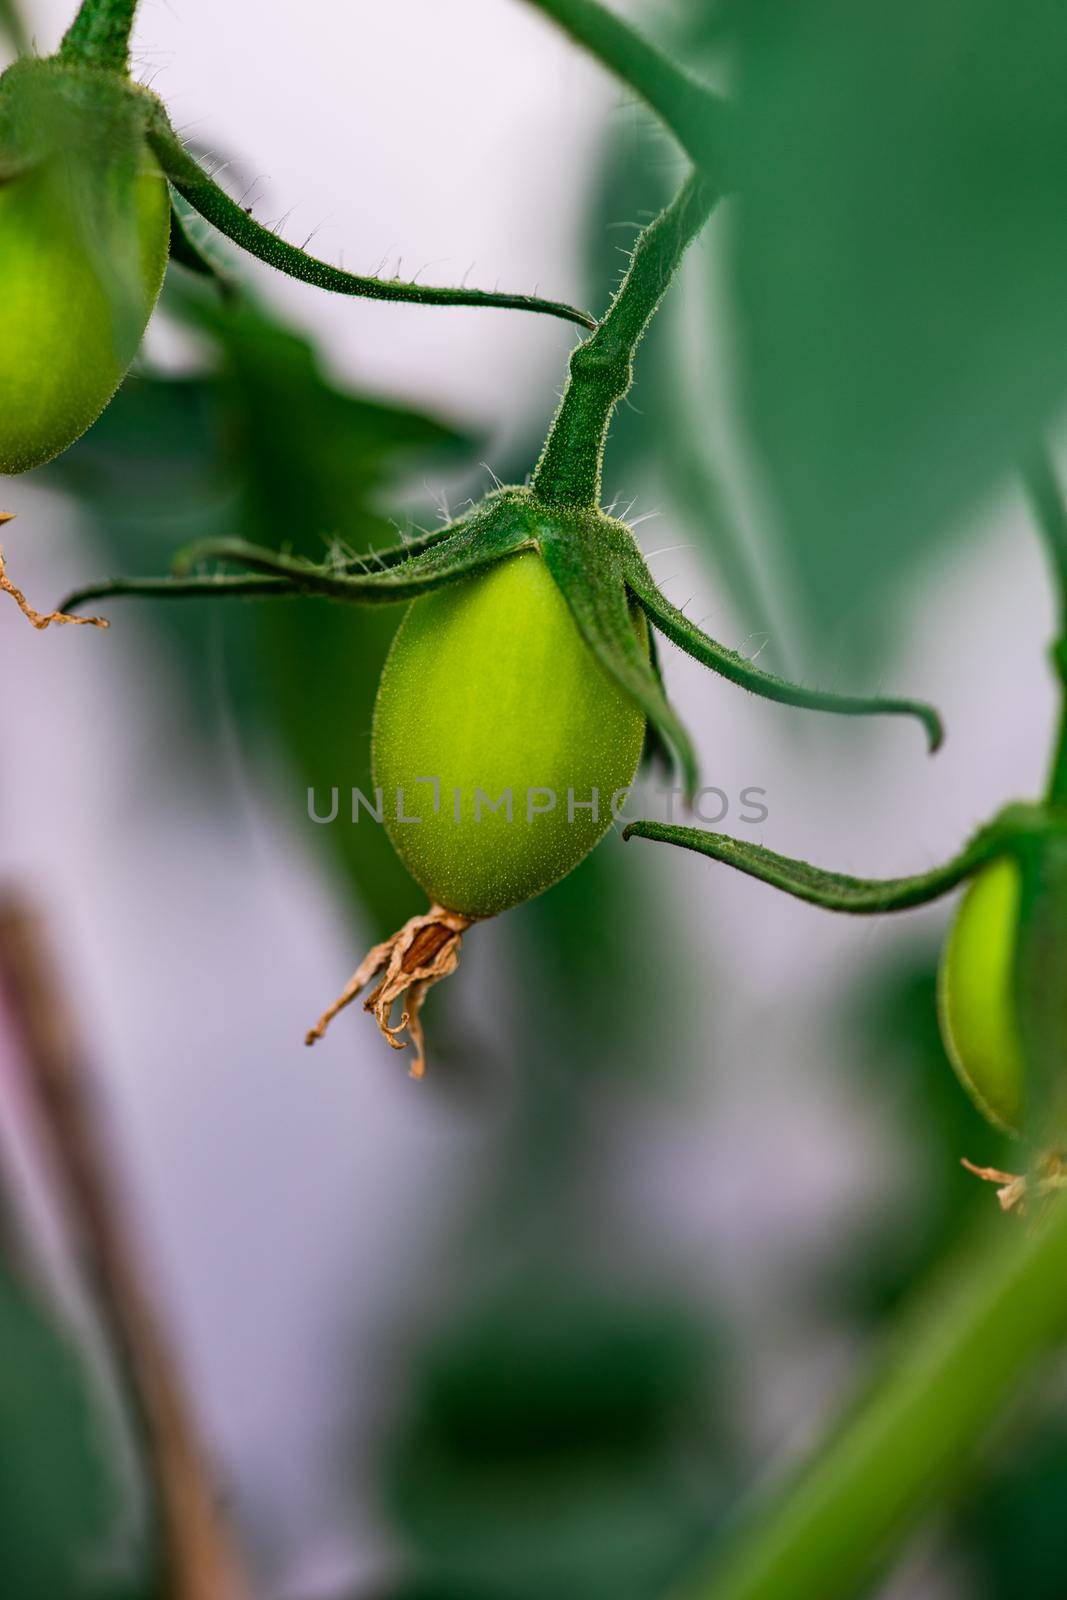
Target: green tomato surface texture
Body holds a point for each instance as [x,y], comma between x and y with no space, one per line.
[490,691]
[976,997]
[66,336]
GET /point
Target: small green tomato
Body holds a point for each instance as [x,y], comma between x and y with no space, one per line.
[976,999]
[490,691]
[63,351]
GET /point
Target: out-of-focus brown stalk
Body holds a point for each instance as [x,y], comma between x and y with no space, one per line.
[199,1557]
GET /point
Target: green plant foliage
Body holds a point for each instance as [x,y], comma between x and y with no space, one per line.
[56,1493]
[1012,1528]
[664,443]
[546,1446]
[898,253]
[697,118]
[900,249]
[268,447]
[909,1440]
[834,891]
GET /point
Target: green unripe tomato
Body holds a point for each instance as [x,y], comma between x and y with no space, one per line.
[976,997]
[490,690]
[63,348]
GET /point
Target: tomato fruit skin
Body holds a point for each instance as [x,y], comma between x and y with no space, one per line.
[489,686]
[62,355]
[976,994]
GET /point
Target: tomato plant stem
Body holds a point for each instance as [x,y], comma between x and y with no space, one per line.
[692,111]
[601,369]
[954,1366]
[99,36]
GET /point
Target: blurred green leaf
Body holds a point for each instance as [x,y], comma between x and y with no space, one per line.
[899,270]
[666,442]
[557,1445]
[56,1493]
[1013,1527]
[266,448]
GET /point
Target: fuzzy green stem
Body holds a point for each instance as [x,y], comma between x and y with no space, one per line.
[1046,498]
[693,112]
[954,1367]
[99,36]
[601,369]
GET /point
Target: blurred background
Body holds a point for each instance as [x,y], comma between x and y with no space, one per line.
[541,1324]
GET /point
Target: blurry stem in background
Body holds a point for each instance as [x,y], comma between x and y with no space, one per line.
[200,1561]
[601,369]
[693,112]
[698,486]
[12,27]
[956,1364]
[99,36]
[1046,498]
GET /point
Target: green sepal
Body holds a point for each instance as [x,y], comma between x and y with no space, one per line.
[584,558]
[593,559]
[655,753]
[834,891]
[205,196]
[191,253]
[271,575]
[453,553]
[676,626]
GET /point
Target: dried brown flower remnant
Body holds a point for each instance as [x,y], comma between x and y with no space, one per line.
[424,951]
[1012,1190]
[37,618]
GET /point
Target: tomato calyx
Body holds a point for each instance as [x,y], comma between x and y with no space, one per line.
[422,953]
[593,558]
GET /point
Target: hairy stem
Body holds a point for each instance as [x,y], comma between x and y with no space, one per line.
[1046,499]
[693,112]
[952,1369]
[601,369]
[99,36]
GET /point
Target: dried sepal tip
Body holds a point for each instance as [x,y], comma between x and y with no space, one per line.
[424,951]
[1013,1188]
[38,619]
